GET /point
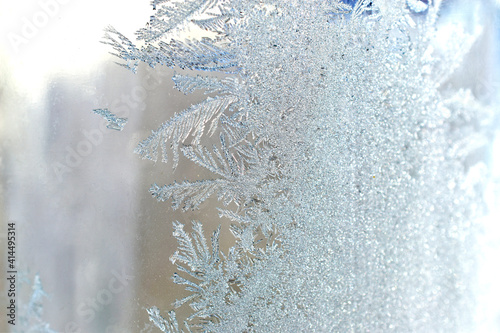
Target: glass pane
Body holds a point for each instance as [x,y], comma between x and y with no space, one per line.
[83,226]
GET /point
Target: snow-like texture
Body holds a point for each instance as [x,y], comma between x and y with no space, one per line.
[346,165]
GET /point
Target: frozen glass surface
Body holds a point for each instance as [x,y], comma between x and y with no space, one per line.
[94,251]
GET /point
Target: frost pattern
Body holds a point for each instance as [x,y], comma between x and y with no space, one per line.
[417,6]
[30,318]
[343,164]
[114,122]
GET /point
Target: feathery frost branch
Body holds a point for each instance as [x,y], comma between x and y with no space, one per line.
[191,121]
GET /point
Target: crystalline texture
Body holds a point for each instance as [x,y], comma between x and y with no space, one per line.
[114,122]
[338,143]
[30,314]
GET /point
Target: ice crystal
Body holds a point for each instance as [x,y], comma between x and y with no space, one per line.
[30,320]
[114,122]
[417,5]
[338,144]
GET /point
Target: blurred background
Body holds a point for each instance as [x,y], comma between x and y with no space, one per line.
[85,220]
[86,223]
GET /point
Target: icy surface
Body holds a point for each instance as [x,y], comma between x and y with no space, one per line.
[347,166]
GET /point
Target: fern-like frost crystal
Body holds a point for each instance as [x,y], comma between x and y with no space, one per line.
[343,164]
[114,122]
[30,318]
